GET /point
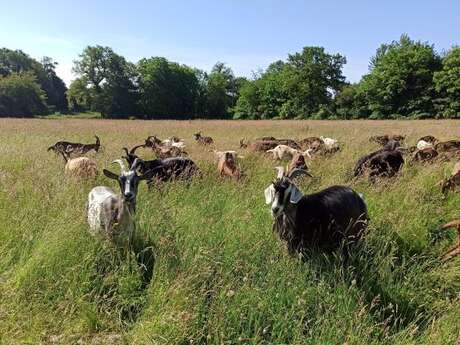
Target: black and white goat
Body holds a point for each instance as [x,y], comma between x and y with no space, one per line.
[111,214]
[69,148]
[323,219]
[163,170]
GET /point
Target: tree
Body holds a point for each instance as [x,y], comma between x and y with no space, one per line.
[16,61]
[400,82]
[299,87]
[221,91]
[350,103]
[21,95]
[167,89]
[79,95]
[110,81]
[53,86]
[447,83]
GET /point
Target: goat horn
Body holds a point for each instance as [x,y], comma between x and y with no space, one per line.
[281,172]
[136,163]
[297,172]
[122,165]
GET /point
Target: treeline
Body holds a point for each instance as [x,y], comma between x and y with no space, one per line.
[29,87]
[406,79]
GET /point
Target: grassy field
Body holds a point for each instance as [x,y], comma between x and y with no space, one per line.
[220,276]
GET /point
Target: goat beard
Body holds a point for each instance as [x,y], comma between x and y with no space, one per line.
[284,226]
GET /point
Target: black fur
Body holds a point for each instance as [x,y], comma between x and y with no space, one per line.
[322,219]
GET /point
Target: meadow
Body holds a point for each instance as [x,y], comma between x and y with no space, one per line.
[213,270]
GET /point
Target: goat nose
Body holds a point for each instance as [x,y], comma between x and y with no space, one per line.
[129,195]
[275,209]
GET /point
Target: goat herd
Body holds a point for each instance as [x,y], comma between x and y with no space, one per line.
[336,215]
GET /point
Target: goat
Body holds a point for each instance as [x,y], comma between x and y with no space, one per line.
[109,214]
[151,141]
[380,163]
[456,249]
[453,181]
[384,139]
[323,219]
[202,139]
[385,164]
[283,150]
[82,167]
[297,162]
[448,146]
[422,144]
[227,165]
[163,170]
[429,139]
[310,142]
[425,155]
[265,138]
[264,145]
[69,148]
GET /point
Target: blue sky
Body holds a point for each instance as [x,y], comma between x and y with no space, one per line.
[247,35]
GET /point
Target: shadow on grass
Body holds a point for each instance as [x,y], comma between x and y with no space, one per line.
[392,275]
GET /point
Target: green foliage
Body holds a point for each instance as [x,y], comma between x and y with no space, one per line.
[106,83]
[21,95]
[16,61]
[168,89]
[401,79]
[298,88]
[350,103]
[221,91]
[447,82]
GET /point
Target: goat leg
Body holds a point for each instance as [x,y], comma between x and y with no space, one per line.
[456,249]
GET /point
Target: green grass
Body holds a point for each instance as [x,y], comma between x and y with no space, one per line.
[220,275]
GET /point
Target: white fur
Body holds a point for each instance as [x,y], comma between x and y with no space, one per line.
[329,143]
[98,199]
[422,144]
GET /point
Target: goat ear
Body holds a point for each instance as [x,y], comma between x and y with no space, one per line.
[269,194]
[110,174]
[296,195]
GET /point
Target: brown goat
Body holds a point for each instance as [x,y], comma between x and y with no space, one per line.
[454,251]
[202,139]
[310,142]
[297,162]
[384,139]
[448,146]
[453,181]
[425,155]
[227,166]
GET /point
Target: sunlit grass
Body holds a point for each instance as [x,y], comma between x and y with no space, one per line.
[220,275]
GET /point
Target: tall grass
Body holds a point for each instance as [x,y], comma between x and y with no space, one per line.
[206,267]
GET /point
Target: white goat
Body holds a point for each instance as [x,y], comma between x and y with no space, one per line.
[329,143]
[169,143]
[283,150]
[422,144]
[110,214]
[82,167]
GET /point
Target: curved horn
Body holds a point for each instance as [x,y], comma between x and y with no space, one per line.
[122,165]
[297,172]
[135,148]
[281,172]
[126,150]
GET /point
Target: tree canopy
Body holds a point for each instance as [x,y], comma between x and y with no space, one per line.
[19,69]
[406,79]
